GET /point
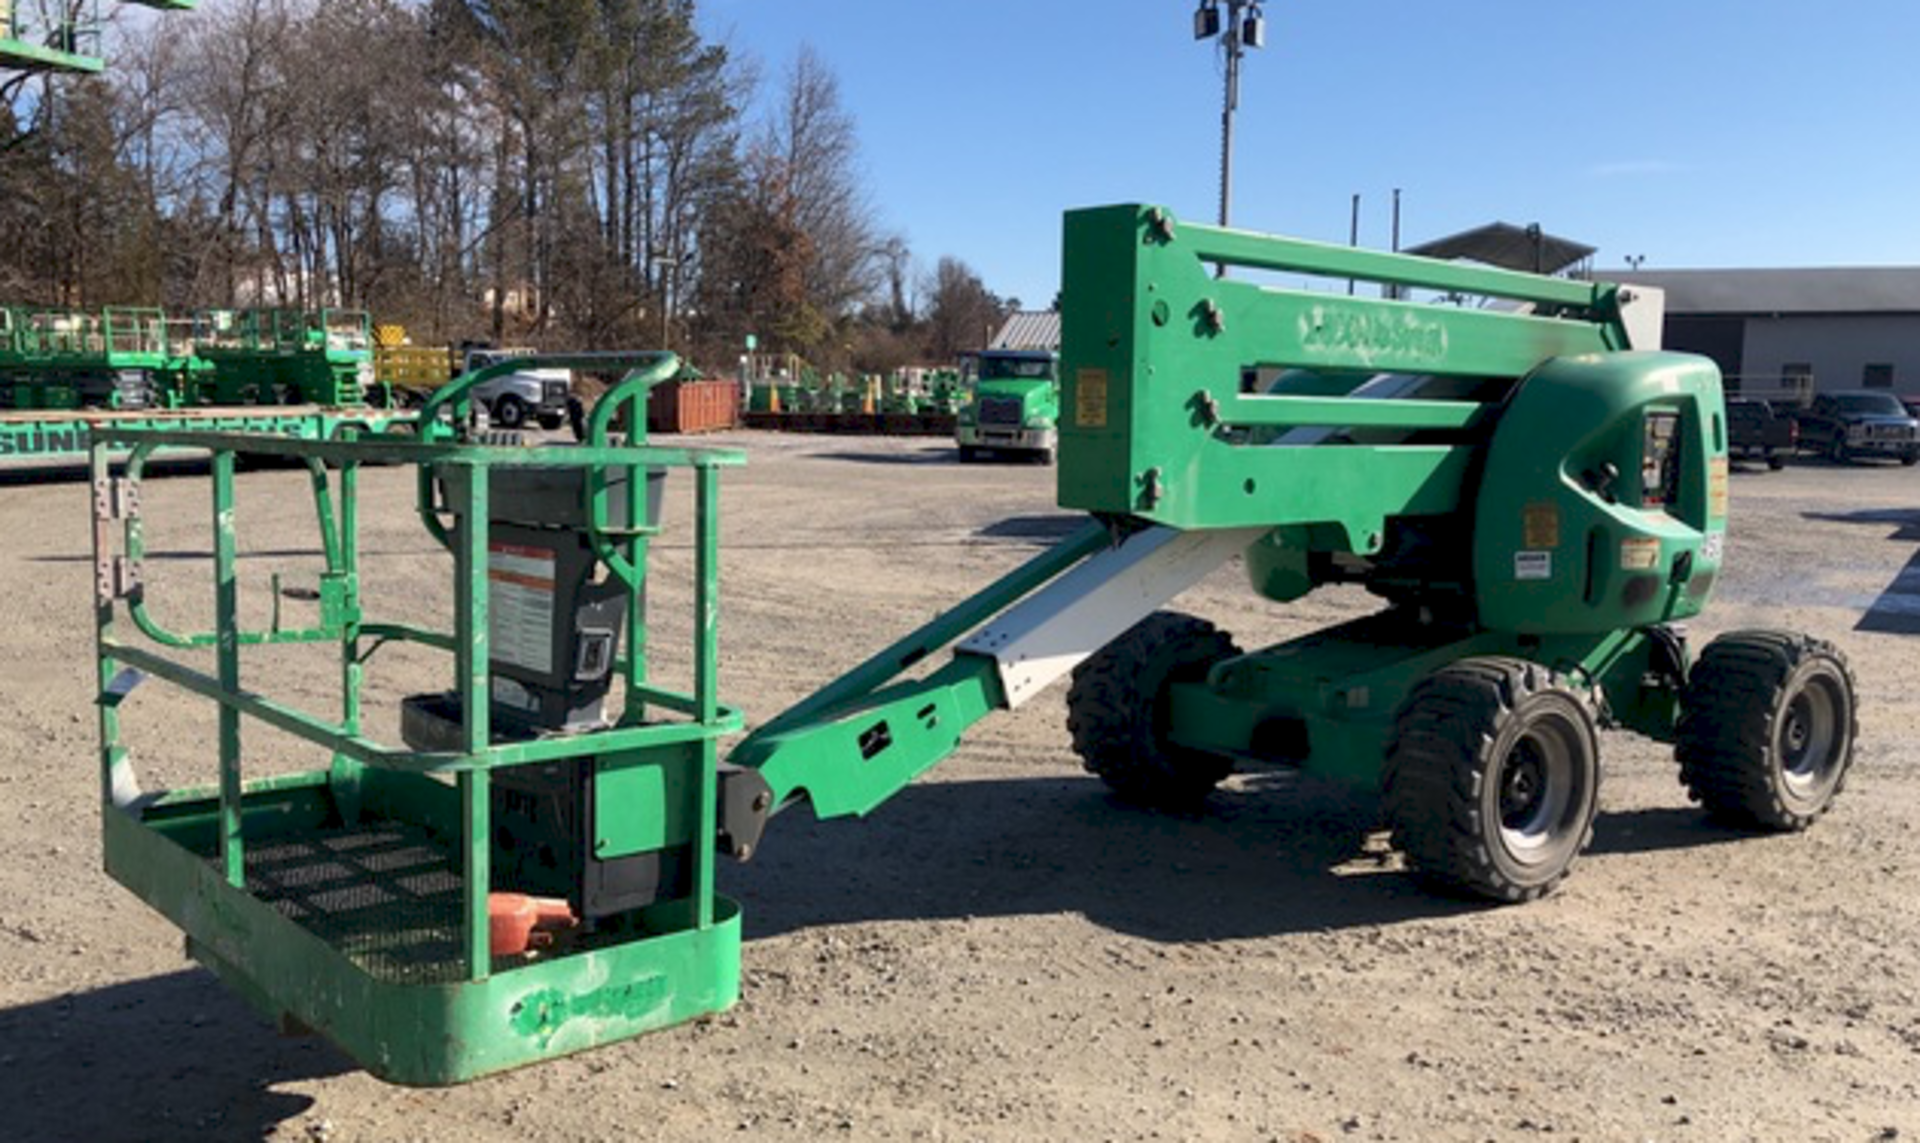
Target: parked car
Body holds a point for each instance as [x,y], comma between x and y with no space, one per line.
[1863,422]
[1758,431]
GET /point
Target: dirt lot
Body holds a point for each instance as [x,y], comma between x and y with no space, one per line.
[1003,952]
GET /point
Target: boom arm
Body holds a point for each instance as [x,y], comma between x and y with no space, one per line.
[864,737]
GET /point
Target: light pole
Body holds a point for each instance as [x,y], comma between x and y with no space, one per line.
[1244,27]
[667,265]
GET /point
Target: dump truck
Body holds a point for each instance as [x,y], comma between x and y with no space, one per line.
[1537,499]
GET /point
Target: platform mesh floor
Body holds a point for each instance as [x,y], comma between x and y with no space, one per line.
[387,895]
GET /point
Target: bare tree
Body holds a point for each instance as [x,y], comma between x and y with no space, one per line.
[961,311]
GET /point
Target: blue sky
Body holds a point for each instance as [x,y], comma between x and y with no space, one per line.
[1693,132]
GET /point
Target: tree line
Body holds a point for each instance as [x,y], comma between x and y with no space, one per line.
[566,173]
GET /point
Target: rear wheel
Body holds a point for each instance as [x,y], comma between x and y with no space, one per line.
[552,421]
[1118,710]
[508,412]
[969,454]
[1493,778]
[1776,461]
[1837,449]
[1767,727]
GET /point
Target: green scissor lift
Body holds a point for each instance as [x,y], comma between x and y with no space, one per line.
[119,357]
[273,356]
[1535,502]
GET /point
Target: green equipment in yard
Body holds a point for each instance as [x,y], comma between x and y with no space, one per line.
[1535,502]
[275,356]
[59,35]
[119,357]
[1015,406]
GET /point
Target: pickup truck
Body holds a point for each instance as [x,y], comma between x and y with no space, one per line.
[523,395]
[1862,422]
[1758,431]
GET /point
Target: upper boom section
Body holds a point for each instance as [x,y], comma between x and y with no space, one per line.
[1166,371]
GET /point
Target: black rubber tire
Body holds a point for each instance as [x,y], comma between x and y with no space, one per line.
[1910,458]
[552,421]
[1767,728]
[1776,461]
[1493,778]
[1117,711]
[1837,449]
[508,412]
[969,454]
[577,417]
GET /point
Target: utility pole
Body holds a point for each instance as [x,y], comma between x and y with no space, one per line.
[1244,27]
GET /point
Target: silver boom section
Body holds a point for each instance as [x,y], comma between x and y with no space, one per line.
[1050,632]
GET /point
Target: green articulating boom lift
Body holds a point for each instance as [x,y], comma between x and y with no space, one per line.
[1536,502]
[59,35]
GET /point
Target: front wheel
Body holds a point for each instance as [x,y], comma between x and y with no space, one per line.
[1767,727]
[1493,778]
[1910,458]
[1837,449]
[1119,714]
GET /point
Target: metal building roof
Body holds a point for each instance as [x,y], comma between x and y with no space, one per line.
[1813,290]
[1029,329]
[1508,246]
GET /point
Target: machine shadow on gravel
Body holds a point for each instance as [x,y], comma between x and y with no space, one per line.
[1254,862]
[162,1058]
[940,454]
[1897,610]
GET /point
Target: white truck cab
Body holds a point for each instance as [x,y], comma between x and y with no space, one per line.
[524,395]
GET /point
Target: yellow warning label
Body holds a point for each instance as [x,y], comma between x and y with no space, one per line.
[1090,399]
[1541,522]
[1639,553]
[1717,488]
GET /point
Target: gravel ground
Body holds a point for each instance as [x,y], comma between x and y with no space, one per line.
[1003,952]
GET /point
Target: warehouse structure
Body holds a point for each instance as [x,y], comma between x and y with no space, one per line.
[1796,330]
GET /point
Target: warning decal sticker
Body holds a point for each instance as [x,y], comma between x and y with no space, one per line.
[1090,399]
[520,605]
[1639,553]
[1717,488]
[1541,523]
[1533,565]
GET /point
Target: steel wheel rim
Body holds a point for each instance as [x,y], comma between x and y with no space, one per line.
[1808,738]
[1538,792]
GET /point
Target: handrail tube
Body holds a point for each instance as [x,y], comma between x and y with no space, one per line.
[363,749]
[1269,252]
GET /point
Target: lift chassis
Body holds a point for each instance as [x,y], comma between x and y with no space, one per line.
[1537,503]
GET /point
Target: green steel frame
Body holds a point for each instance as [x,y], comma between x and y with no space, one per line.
[187,852]
[283,356]
[54,358]
[59,35]
[50,436]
